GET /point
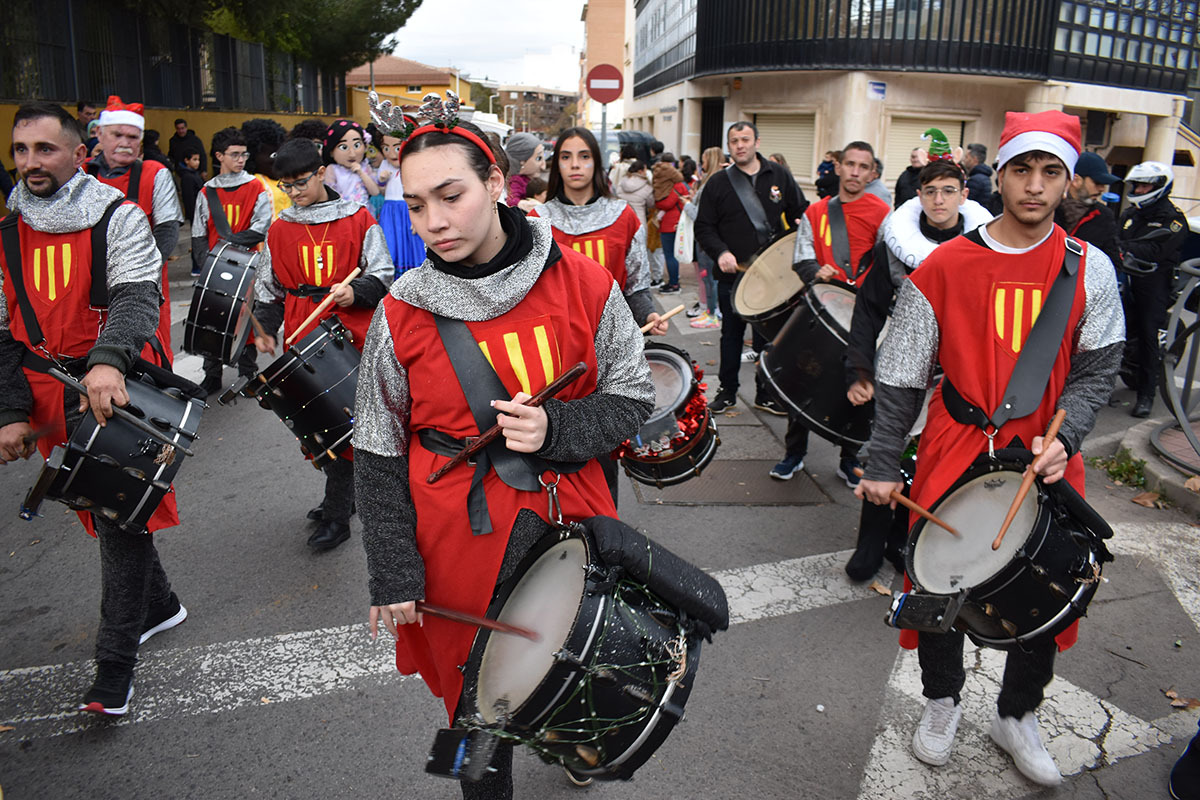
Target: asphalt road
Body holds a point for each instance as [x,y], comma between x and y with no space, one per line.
[273,689]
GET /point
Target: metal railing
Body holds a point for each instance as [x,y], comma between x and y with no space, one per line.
[1179,380]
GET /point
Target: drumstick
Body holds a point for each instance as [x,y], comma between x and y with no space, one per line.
[324,304]
[912,505]
[478,622]
[491,434]
[137,422]
[646,328]
[1027,479]
[259,330]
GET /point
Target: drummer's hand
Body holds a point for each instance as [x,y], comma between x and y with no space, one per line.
[825,273]
[343,294]
[861,391]
[660,326]
[1051,465]
[524,427]
[727,262]
[878,492]
[393,615]
[105,388]
[264,344]
[16,441]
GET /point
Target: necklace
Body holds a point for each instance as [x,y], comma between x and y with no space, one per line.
[318,251]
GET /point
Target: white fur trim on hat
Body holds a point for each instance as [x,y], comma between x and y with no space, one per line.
[1037,140]
[122,117]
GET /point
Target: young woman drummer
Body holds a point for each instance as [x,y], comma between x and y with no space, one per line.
[587,217]
[534,310]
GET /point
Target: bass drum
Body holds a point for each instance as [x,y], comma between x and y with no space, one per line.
[218,321]
[679,439]
[804,365]
[768,291]
[1044,574]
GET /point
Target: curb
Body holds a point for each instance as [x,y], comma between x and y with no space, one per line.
[1161,477]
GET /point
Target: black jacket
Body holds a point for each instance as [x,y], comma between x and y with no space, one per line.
[1139,235]
[1098,227]
[722,223]
[907,186]
[178,148]
[980,184]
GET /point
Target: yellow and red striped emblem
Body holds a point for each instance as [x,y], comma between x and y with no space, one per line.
[1015,308]
[592,247]
[52,270]
[316,260]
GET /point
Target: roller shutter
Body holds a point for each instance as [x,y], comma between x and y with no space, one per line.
[794,136]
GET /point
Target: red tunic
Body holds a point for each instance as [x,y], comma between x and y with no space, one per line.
[986,303]
[145,201]
[238,204]
[608,246]
[863,218]
[552,328]
[57,271]
[294,247]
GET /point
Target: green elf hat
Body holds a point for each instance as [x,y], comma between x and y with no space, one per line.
[939,145]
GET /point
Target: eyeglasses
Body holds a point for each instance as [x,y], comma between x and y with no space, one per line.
[242,156]
[948,192]
[297,184]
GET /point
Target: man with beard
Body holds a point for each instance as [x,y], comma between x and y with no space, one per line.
[147,183]
[1081,214]
[50,313]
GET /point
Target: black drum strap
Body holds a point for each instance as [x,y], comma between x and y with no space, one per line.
[750,202]
[216,212]
[135,181]
[98,294]
[11,237]
[1023,394]
[839,239]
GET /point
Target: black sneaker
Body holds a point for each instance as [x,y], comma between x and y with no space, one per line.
[111,692]
[1142,408]
[722,402]
[694,311]
[163,618]
[770,405]
[328,536]
[670,288]
[210,385]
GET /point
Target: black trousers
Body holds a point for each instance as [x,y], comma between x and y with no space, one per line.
[795,440]
[1146,300]
[733,332]
[1025,673]
[247,363]
[496,785]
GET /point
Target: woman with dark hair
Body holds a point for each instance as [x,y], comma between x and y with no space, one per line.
[496,278]
[587,218]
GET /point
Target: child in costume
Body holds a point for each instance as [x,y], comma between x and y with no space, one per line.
[346,169]
[403,243]
[313,246]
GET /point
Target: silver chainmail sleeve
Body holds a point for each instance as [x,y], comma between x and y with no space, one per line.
[1103,320]
[637,263]
[804,256]
[266,287]
[165,204]
[620,359]
[132,252]
[908,354]
[382,404]
[376,263]
[261,218]
[200,217]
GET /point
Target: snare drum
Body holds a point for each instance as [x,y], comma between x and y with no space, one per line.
[769,290]
[804,365]
[118,472]
[218,322]
[311,388]
[609,677]
[1040,580]
[679,439]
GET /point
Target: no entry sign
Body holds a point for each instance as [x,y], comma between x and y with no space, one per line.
[604,83]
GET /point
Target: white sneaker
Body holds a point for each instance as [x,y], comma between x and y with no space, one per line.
[1022,740]
[934,736]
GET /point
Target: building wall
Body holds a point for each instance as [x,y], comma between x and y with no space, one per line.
[359,109]
[604,43]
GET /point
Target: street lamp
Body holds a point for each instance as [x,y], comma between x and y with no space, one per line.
[490,99]
[514,108]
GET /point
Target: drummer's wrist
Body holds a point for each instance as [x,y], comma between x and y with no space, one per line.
[13,416]
[111,355]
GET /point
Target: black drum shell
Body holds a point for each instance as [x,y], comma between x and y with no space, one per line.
[1020,591]
[612,630]
[311,389]
[804,366]
[218,321]
[85,482]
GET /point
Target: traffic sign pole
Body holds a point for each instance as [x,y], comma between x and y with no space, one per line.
[603,136]
[604,85]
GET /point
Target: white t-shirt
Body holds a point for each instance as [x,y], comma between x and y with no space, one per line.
[389,178]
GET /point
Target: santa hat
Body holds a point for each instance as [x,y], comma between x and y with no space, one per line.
[118,113]
[1051,131]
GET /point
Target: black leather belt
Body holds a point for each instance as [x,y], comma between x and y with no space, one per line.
[308,290]
[444,444]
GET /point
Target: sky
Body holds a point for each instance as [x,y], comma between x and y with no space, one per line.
[510,41]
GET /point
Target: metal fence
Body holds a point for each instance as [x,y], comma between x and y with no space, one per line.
[65,50]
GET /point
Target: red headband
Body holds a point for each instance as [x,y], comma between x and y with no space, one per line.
[457,131]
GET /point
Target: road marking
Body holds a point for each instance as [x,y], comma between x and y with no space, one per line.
[211,679]
[1081,730]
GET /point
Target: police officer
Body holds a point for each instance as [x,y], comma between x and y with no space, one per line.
[1153,231]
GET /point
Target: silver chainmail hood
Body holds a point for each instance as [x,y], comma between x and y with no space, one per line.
[375,260]
[579,220]
[480,298]
[260,219]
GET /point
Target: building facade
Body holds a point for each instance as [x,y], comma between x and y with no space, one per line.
[535,108]
[400,80]
[816,75]
[604,31]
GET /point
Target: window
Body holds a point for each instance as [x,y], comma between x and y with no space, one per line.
[414,89]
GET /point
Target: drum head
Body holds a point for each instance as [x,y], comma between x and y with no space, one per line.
[671,373]
[545,600]
[946,564]
[769,284]
[837,301]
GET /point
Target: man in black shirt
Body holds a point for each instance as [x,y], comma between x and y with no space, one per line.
[184,142]
[724,228]
[1081,214]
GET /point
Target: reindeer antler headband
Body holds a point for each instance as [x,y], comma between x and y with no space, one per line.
[442,116]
